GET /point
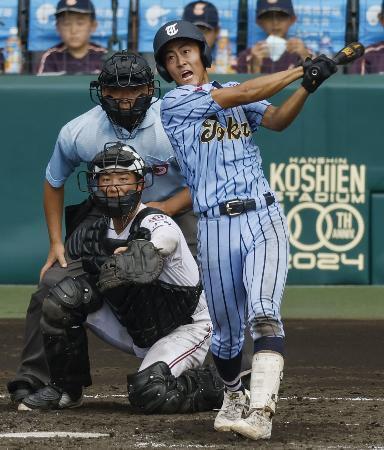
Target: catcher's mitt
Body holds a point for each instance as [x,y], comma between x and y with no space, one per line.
[141,263]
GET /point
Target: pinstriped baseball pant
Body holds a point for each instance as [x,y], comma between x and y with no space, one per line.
[244,262]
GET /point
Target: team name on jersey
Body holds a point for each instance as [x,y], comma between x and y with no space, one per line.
[212,129]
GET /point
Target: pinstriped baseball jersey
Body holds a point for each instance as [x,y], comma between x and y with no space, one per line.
[243,258]
[214,146]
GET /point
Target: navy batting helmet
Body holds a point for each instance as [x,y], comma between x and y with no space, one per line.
[178,29]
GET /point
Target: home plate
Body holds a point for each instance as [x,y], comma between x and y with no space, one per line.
[52,434]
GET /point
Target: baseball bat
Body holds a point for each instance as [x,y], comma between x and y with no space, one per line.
[346,55]
[349,53]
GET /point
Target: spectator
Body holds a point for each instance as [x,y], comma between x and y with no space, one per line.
[75,22]
[205,16]
[277,52]
[1,61]
[373,59]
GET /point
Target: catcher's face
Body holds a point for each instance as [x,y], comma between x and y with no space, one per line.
[118,184]
[182,59]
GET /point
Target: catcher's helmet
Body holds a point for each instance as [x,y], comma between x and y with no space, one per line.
[117,157]
[178,29]
[125,69]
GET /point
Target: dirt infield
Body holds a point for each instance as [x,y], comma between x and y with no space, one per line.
[332,396]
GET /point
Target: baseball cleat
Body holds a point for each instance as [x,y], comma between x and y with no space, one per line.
[233,408]
[50,397]
[22,391]
[257,425]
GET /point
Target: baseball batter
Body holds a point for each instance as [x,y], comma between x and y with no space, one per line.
[243,237]
[146,299]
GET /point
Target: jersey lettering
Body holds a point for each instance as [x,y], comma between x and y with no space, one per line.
[212,129]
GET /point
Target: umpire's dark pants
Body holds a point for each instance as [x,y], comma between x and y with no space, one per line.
[33,368]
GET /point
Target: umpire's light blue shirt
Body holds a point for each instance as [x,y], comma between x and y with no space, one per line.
[83,137]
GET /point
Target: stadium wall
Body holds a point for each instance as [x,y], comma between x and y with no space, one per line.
[327,169]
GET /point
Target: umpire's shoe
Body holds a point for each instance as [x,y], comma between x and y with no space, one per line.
[52,397]
[235,405]
[22,390]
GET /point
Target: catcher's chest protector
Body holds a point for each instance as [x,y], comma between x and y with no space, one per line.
[151,311]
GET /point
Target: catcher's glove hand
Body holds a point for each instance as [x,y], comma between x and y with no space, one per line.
[316,71]
[141,263]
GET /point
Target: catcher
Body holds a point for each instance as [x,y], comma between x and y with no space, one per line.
[139,290]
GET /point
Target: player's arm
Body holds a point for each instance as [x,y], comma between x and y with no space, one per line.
[164,235]
[53,208]
[176,204]
[256,89]
[279,118]
[165,238]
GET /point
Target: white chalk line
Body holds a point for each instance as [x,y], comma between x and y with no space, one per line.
[295,397]
[51,434]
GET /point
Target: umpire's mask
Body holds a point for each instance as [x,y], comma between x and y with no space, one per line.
[131,73]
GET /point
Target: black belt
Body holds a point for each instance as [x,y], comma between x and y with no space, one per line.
[237,207]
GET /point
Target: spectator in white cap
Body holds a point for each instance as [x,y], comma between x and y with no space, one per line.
[277,52]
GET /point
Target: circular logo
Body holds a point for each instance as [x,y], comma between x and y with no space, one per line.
[333,222]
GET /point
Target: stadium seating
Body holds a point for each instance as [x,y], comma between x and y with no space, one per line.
[320,24]
[154,14]
[370,29]
[42,32]
[8,18]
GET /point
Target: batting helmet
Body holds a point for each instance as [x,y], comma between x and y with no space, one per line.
[116,157]
[125,69]
[178,29]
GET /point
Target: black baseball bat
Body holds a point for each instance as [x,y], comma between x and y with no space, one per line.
[349,53]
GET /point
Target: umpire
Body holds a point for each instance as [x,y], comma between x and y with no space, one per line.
[128,109]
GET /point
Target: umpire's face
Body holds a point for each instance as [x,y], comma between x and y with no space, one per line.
[182,60]
[125,97]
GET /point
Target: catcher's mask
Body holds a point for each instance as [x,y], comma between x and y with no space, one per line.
[126,70]
[121,199]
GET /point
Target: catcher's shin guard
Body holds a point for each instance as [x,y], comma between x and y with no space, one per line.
[65,340]
[156,390]
[204,389]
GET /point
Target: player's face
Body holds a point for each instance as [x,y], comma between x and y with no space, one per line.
[209,34]
[119,183]
[276,23]
[75,29]
[182,60]
[127,96]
